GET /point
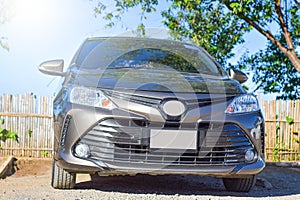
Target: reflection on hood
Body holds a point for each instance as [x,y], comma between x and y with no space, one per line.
[158,80]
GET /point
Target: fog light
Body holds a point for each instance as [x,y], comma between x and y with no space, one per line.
[82,150]
[250,155]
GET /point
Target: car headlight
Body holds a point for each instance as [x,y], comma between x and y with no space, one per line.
[243,103]
[90,97]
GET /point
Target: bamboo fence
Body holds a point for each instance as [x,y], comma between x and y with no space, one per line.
[23,113]
[282,124]
[31,117]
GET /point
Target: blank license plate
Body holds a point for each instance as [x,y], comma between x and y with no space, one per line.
[173,139]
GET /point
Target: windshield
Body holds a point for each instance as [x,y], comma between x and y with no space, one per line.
[154,58]
[161,55]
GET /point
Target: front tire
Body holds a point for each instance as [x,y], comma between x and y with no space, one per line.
[239,184]
[62,179]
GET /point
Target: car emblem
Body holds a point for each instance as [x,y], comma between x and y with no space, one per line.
[173,108]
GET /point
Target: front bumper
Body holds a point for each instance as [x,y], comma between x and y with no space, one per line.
[119,144]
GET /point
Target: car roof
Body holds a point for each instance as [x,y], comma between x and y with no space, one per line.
[169,43]
[127,38]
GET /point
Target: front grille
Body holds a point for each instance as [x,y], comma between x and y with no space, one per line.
[155,102]
[147,101]
[127,141]
[196,103]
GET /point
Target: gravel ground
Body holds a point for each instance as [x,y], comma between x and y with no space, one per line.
[32,181]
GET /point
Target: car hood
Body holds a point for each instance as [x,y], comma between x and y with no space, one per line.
[157,81]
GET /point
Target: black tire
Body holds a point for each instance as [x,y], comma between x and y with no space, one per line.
[61,179]
[239,184]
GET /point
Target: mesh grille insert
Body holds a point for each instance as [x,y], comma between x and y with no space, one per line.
[128,142]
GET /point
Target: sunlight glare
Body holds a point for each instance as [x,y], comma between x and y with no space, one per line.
[31,12]
[33,20]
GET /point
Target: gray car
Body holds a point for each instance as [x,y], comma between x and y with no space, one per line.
[132,106]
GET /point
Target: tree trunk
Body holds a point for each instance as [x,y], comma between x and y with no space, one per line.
[291,54]
[289,51]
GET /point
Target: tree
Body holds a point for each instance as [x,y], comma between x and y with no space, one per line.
[273,72]
[219,25]
[209,26]
[261,15]
[276,68]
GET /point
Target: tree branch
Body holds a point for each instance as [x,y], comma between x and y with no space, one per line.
[283,26]
[265,33]
[297,3]
[290,51]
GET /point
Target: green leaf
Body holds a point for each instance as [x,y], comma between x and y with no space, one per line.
[29,132]
[3,137]
[12,135]
[108,16]
[237,8]
[2,130]
[2,121]
[141,30]
[245,87]
[3,133]
[45,153]
[296,140]
[289,120]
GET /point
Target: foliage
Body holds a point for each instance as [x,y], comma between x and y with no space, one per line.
[45,154]
[29,132]
[206,23]
[280,146]
[289,120]
[7,134]
[219,25]
[209,26]
[276,20]
[123,6]
[273,72]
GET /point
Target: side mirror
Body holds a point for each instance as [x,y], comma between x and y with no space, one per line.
[241,77]
[52,67]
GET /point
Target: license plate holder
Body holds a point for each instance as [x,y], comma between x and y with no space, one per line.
[173,139]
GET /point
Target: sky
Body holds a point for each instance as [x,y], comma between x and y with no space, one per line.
[40,30]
